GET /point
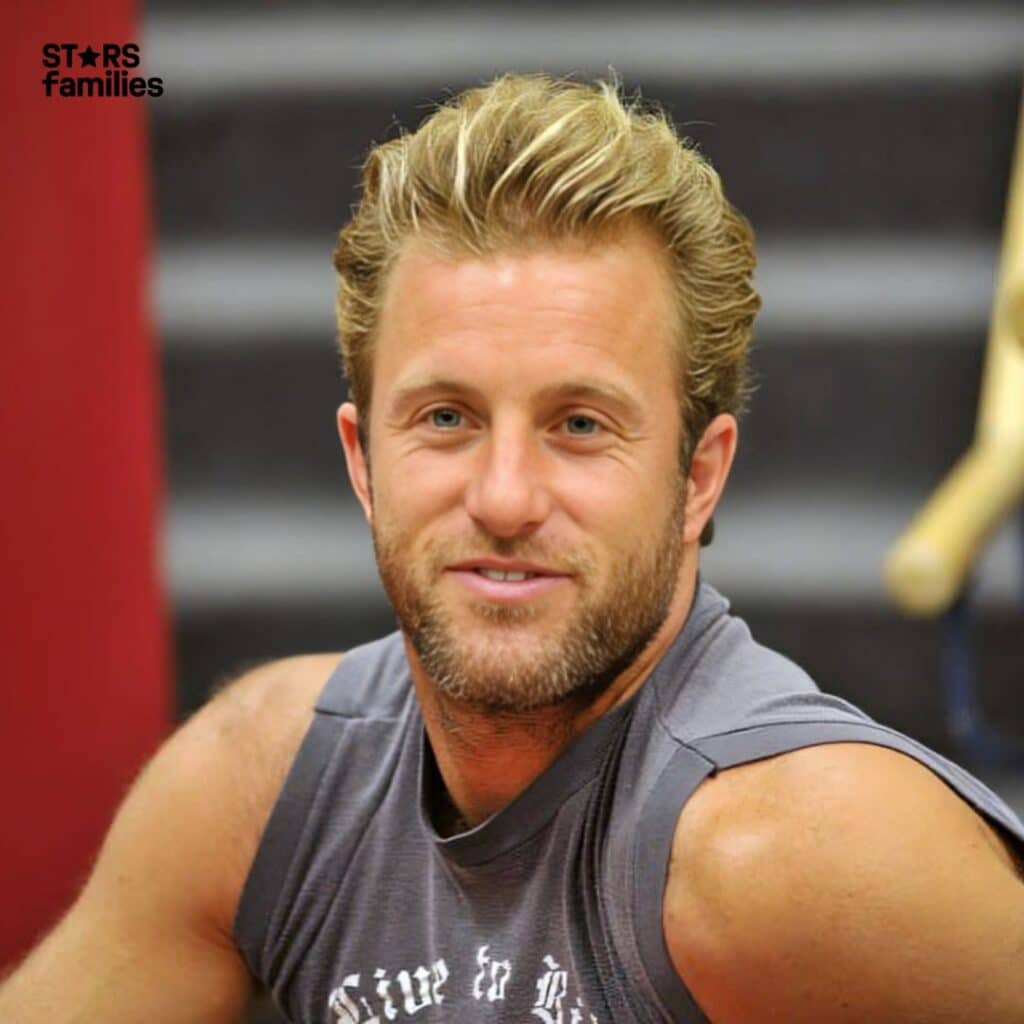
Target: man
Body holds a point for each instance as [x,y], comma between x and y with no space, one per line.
[571,788]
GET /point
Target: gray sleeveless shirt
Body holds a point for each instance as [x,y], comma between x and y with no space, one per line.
[355,910]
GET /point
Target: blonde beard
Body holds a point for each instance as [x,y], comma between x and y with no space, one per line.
[504,670]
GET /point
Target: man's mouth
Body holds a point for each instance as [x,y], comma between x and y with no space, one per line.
[515,577]
[503,580]
[512,569]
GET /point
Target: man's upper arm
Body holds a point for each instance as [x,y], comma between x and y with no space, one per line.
[150,936]
[843,883]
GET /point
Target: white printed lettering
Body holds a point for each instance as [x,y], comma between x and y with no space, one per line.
[501,971]
[384,992]
[439,973]
[551,990]
[497,972]
[422,976]
[482,960]
[339,1003]
[409,992]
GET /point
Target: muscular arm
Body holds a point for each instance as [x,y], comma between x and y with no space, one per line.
[844,883]
[149,938]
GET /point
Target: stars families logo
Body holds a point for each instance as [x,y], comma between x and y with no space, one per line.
[113,64]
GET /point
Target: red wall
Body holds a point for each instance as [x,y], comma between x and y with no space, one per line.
[84,694]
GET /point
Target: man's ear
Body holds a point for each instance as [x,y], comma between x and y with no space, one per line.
[355,458]
[709,469]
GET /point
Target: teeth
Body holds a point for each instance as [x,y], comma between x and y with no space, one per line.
[513,577]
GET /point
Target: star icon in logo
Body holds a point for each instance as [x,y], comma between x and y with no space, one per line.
[88,57]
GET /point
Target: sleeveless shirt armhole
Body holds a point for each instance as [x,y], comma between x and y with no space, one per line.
[694,761]
[729,749]
[268,872]
[683,773]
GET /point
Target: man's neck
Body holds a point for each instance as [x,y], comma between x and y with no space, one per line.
[487,760]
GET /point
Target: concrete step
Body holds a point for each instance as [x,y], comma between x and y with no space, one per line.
[791,546]
[581,8]
[871,158]
[868,358]
[215,294]
[264,578]
[836,120]
[213,54]
[871,414]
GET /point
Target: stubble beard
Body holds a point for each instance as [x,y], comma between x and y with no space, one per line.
[504,667]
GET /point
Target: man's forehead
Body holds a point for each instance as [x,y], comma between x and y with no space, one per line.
[622,276]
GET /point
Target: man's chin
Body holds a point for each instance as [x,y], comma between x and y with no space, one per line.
[506,650]
[506,668]
[501,697]
[515,679]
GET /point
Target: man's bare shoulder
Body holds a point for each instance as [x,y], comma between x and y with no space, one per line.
[853,884]
[268,707]
[150,936]
[252,729]
[214,782]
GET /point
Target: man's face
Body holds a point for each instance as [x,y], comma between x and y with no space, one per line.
[525,421]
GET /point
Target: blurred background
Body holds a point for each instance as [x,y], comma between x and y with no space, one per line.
[870,146]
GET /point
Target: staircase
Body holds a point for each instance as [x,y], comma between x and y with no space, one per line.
[870,147]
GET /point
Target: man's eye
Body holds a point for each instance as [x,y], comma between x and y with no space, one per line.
[581,426]
[445,418]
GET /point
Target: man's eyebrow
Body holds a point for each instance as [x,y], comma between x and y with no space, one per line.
[421,387]
[568,390]
[591,390]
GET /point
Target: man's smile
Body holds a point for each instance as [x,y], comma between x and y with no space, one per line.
[506,580]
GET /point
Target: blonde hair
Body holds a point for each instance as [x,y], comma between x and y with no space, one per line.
[532,159]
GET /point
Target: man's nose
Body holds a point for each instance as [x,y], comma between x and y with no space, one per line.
[508,493]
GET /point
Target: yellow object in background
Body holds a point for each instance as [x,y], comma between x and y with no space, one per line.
[927,567]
